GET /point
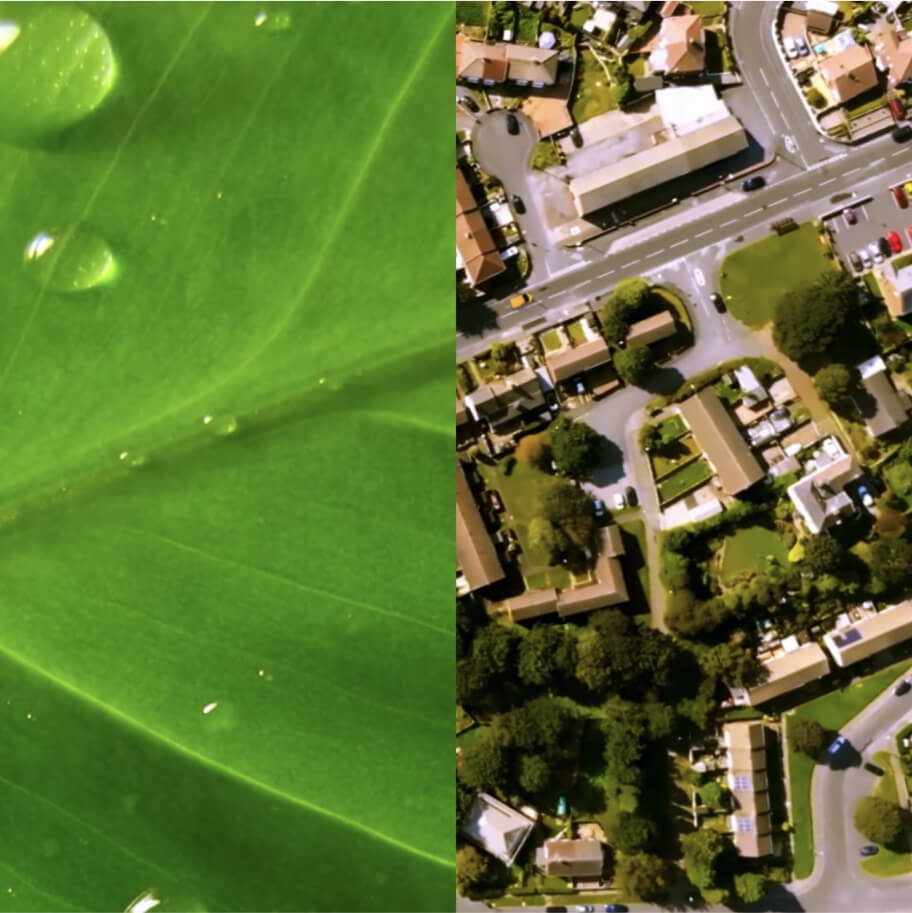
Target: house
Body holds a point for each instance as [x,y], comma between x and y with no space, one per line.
[490,64]
[751,823]
[651,329]
[496,828]
[849,73]
[476,558]
[566,858]
[686,128]
[476,248]
[853,642]
[506,401]
[892,51]
[819,497]
[610,587]
[786,672]
[754,392]
[718,437]
[895,280]
[882,409]
[680,46]
[821,16]
[568,363]
[531,604]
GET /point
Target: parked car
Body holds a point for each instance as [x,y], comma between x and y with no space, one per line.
[555,910]
[837,745]
[875,251]
[902,134]
[855,260]
[512,125]
[576,138]
[753,183]
[894,240]
[599,506]
[517,301]
[717,302]
[849,216]
[904,687]
[619,501]
[865,258]
[870,850]
[896,108]
[801,44]
[585,908]
[518,204]
[874,769]
[791,48]
[865,494]
[580,388]
[469,102]
[900,198]
[495,500]
[615,908]
[630,496]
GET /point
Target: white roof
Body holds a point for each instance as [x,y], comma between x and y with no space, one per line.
[604,19]
[547,40]
[871,367]
[497,828]
[688,108]
[827,7]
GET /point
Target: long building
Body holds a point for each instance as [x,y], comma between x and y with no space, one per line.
[787,672]
[476,557]
[751,824]
[857,641]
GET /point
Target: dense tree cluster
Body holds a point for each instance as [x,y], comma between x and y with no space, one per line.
[806,736]
[641,875]
[835,383]
[575,447]
[619,311]
[878,820]
[634,363]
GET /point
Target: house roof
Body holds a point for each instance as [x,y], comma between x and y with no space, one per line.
[896,284]
[532,64]
[789,671]
[568,362]
[465,199]
[476,247]
[651,329]
[893,53]
[475,552]
[581,858]
[507,398]
[752,834]
[680,46]
[870,635]
[610,589]
[745,741]
[888,410]
[498,62]
[612,541]
[721,442]
[462,414]
[497,828]
[531,604]
[819,496]
[849,73]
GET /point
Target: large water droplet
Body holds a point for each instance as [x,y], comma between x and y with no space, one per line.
[220,424]
[56,66]
[167,898]
[72,258]
[273,20]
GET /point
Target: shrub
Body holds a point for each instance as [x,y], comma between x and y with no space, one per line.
[533,449]
[815,98]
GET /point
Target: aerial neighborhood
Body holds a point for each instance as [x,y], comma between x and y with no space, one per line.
[684,455]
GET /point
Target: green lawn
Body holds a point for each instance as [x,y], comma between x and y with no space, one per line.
[576,332]
[668,457]
[592,94]
[550,340]
[754,277]
[748,549]
[472,13]
[684,479]
[528,25]
[887,863]
[832,711]
[671,428]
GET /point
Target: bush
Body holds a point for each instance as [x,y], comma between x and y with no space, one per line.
[815,98]
[878,820]
[806,736]
[508,465]
[634,363]
[533,449]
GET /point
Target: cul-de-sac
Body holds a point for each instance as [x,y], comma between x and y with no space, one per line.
[684,456]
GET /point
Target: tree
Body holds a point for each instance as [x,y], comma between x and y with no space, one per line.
[625,740]
[547,656]
[503,356]
[545,537]
[476,870]
[815,98]
[534,774]
[542,726]
[641,875]
[702,850]
[824,555]
[633,363]
[632,833]
[631,293]
[575,446]
[620,308]
[622,89]
[835,383]
[890,561]
[878,820]
[649,437]
[890,522]
[711,794]
[570,509]
[806,736]
[750,886]
[731,664]
[808,321]
[533,449]
[486,764]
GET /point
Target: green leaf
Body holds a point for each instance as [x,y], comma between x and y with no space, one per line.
[226,509]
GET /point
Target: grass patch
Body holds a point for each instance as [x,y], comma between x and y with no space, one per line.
[576,333]
[592,94]
[887,863]
[669,457]
[472,13]
[550,340]
[671,428]
[527,27]
[748,549]
[684,479]
[634,535]
[545,155]
[753,278]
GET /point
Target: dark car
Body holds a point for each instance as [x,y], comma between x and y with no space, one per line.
[494,498]
[855,260]
[874,769]
[900,196]
[904,687]
[754,183]
[518,204]
[615,908]
[512,125]
[469,102]
[885,247]
[837,745]
[576,138]
[902,134]
[850,216]
[555,910]
[869,850]
[630,496]
[717,302]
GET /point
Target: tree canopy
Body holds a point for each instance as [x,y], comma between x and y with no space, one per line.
[702,852]
[575,447]
[641,875]
[649,437]
[545,537]
[890,561]
[503,356]
[835,383]
[627,298]
[750,886]
[476,870]
[809,320]
[806,736]
[534,449]
[570,509]
[633,363]
[878,820]
[547,656]
[632,832]
[824,555]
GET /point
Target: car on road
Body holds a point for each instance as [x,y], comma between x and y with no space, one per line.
[753,183]
[900,198]
[791,47]
[585,908]
[904,687]
[599,506]
[896,106]
[849,216]
[576,138]
[870,850]
[518,204]
[469,102]
[630,496]
[865,258]
[512,125]
[615,908]
[517,301]
[902,134]
[874,769]
[855,260]
[837,745]
[717,302]
[865,494]
[555,910]
[875,251]
[619,501]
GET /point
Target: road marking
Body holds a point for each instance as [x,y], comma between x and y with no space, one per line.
[898,152]
[729,222]
[783,200]
[763,77]
[799,192]
[876,162]
[753,212]
[701,279]
[828,181]
[678,243]
[602,276]
[700,235]
[628,265]
[853,170]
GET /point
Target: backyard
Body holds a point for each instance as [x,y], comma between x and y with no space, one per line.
[749,549]
[832,711]
[754,277]
[666,458]
[472,13]
[593,93]
[683,480]
[887,862]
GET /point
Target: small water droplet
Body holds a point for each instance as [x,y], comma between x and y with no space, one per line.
[208,708]
[28,716]
[132,458]
[220,425]
[322,381]
[218,196]
[71,258]
[261,672]
[9,32]
[273,21]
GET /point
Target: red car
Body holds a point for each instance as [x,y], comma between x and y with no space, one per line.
[900,196]
[894,241]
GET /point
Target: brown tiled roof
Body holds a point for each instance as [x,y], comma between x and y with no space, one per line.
[477,248]
[465,199]
[894,54]
[532,604]
[610,588]
[567,858]
[587,355]
[680,46]
[475,552]
[651,329]
[498,62]
[849,73]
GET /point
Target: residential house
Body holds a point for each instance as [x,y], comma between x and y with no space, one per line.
[490,64]
[610,587]
[651,329]
[882,409]
[477,564]
[819,497]
[505,402]
[892,51]
[751,823]
[685,129]
[786,672]
[566,858]
[567,363]
[849,73]
[636,10]
[822,16]
[496,828]
[465,429]
[895,280]
[680,46]
[475,246]
[722,444]
[754,392]
[532,604]
[850,643]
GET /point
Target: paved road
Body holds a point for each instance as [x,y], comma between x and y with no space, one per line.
[838,881]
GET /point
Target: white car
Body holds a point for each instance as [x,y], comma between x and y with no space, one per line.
[865,258]
[801,44]
[791,48]
[874,250]
[619,503]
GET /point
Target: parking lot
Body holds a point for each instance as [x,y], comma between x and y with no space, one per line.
[874,218]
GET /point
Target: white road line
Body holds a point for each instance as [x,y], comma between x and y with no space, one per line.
[763,77]
[783,200]
[628,265]
[602,276]
[753,212]
[898,152]
[828,181]
[729,222]
[875,162]
[707,232]
[679,243]
[799,192]
[852,171]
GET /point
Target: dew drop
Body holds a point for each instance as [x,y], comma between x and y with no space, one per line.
[133,459]
[273,21]
[220,425]
[145,902]
[43,93]
[208,708]
[72,258]
[261,672]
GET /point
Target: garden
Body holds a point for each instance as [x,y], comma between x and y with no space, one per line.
[594,92]
[683,480]
[749,551]
[890,860]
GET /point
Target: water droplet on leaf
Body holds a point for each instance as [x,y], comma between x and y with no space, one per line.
[71,258]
